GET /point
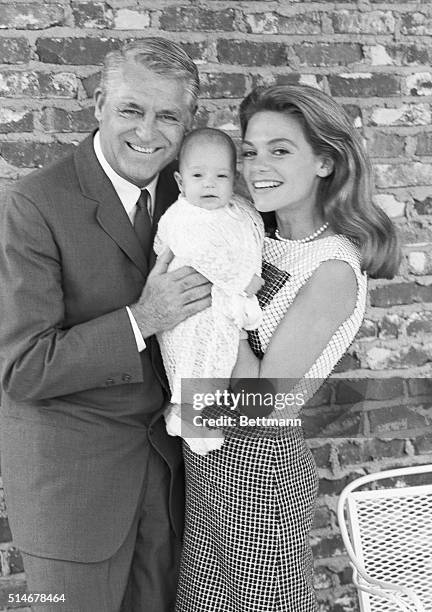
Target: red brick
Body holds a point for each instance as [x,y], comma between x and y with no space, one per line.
[374,449]
[323,578]
[420,386]
[321,454]
[386,145]
[322,397]
[202,117]
[30,16]
[355,22]
[90,83]
[411,54]
[92,15]
[419,323]
[266,80]
[354,113]
[368,85]
[335,487]
[423,207]
[409,357]
[400,293]
[393,420]
[274,23]
[60,120]
[424,144]
[14,584]
[5,534]
[317,421]
[350,391]
[322,518]
[14,561]
[328,546]
[223,85]
[18,84]
[198,51]
[175,18]
[423,444]
[33,154]
[76,51]
[15,120]
[415,24]
[390,326]
[14,51]
[328,54]
[348,362]
[251,53]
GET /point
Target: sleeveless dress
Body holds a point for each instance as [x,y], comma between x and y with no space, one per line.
[250,504]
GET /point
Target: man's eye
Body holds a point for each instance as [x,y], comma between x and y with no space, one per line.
[197,175]
[168,118]
[129,112]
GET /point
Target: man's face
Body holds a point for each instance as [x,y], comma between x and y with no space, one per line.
[142,120]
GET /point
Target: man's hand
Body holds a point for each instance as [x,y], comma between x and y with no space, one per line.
[255,285]
[170,297]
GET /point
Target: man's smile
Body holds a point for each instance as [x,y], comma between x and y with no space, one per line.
[140,149]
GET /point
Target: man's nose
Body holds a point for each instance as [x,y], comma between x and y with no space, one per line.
[146,127]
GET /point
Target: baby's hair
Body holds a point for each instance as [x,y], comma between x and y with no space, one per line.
[208,135]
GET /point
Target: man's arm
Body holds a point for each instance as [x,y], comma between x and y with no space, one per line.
[41,358]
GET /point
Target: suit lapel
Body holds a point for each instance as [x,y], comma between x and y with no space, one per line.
[111,214]
[166,193]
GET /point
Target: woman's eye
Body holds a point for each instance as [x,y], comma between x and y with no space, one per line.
[246,154]
[222,176]
[197,175]
[280,152]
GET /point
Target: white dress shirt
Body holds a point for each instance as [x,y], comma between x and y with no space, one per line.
[128,194]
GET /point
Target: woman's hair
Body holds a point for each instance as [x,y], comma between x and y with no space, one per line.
[345,196]
[162,56]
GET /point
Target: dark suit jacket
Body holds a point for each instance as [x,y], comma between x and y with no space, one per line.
[79,404]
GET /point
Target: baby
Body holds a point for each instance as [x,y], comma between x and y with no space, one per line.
[220,235]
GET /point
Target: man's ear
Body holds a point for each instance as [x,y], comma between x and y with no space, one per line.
[99,100]
[326,167]
[179,181]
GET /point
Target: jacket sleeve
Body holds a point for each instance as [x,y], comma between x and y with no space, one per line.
[40,358]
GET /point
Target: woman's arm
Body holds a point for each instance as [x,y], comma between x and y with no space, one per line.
[320,307]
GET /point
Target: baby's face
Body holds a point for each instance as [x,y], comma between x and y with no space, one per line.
[206,176]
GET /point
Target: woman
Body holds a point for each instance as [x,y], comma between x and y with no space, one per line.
[250,504]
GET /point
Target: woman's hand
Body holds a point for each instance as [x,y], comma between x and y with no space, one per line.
[319,309]
[255,285]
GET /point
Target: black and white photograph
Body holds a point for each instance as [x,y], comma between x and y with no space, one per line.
[216,306]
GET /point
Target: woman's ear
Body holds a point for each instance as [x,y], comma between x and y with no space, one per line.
[179,181]
[326,167]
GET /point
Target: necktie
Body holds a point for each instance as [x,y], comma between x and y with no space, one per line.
[142,223]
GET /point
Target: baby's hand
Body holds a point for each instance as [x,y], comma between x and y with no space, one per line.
[255,285]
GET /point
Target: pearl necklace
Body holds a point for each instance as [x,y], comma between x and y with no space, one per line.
[319,231]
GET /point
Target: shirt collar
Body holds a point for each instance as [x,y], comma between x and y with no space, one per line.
[126,191]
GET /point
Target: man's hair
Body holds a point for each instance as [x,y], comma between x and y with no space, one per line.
[161,56]
[208,135]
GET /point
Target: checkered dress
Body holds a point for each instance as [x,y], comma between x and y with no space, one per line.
[250,505]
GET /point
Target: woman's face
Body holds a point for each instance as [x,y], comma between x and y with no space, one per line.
[280,168]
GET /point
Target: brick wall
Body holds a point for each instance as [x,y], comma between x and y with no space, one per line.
[375,58]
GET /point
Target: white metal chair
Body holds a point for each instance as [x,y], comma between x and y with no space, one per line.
[388,536]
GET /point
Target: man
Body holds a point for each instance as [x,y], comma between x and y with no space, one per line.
[93,482]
